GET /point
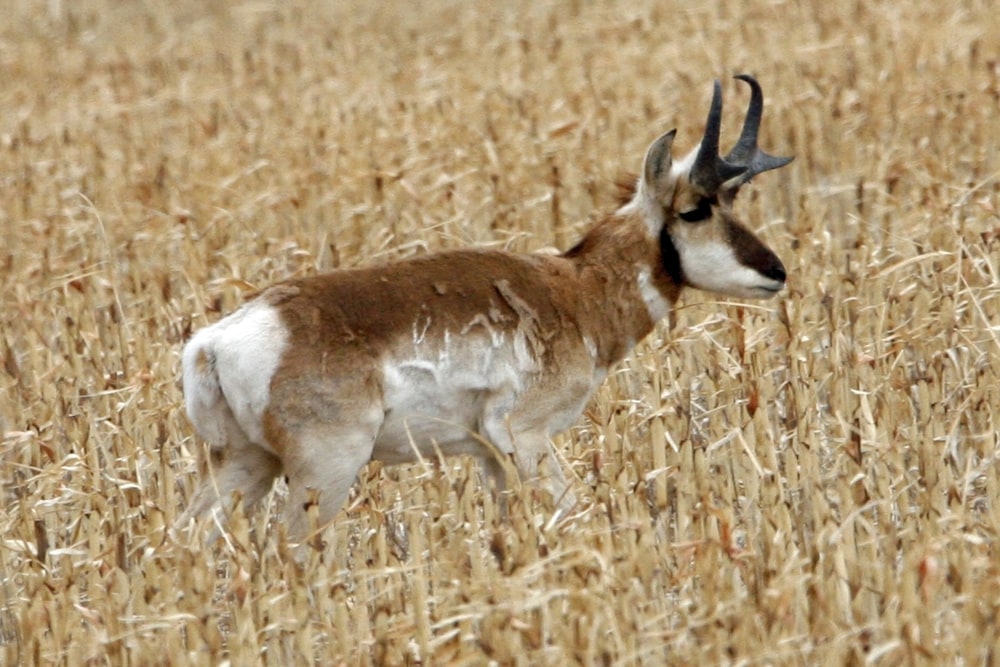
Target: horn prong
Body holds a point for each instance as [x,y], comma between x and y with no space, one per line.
[746,153]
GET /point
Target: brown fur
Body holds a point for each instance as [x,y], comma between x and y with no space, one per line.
[340,322]
[443,352]
[625,187]
[350,315]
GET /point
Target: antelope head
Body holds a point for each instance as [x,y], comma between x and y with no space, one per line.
[702,244]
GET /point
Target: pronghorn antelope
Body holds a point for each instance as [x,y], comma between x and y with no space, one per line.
[317,376]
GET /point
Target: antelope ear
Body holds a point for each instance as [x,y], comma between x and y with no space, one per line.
[656,168]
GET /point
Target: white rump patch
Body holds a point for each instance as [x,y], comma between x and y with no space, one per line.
[245,349]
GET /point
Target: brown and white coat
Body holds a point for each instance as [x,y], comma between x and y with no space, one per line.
[317,376]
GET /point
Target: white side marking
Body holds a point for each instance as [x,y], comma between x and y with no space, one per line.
[529,345]
[420,329]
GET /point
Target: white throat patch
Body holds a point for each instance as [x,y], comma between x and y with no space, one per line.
[656,305]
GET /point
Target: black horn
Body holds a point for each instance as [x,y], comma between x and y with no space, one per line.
[746,153]
[710,171]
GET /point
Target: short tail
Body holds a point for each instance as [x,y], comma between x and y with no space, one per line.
[206,405]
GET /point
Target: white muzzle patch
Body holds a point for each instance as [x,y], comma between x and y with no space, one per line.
[714,267]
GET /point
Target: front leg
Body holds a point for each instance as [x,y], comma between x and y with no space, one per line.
[532,450]
[537,463]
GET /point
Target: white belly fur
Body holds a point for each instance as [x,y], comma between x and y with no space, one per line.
[439,397]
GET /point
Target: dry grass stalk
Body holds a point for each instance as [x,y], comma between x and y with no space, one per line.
[811,481]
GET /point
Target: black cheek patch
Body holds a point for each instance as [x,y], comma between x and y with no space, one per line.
[669,257]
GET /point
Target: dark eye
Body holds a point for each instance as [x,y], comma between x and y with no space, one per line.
[702,212]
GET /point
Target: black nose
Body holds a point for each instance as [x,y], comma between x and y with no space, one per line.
[775,270]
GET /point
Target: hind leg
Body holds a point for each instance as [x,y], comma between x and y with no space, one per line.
[248,469]
[322,461]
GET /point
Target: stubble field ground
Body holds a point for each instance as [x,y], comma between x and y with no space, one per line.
[811,480]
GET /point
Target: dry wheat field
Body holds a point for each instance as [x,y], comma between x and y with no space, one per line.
[811,480]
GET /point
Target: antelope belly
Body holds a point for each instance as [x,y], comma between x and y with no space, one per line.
[438,400]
